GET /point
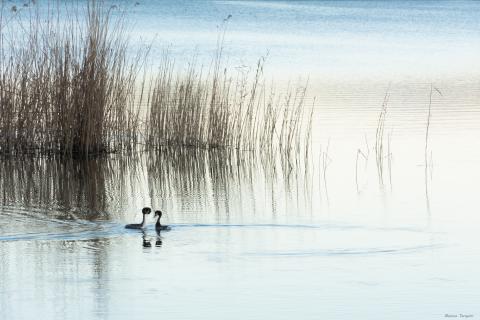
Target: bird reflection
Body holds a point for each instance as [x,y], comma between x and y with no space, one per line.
[145,240]
[158,242]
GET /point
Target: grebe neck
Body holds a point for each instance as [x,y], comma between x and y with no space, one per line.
[144,221]
[158,221]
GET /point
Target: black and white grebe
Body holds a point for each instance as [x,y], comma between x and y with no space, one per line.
[142,225]
[158,225]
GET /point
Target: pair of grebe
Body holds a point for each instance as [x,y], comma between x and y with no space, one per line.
[145,211]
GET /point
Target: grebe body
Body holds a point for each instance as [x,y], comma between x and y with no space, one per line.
[158,225]
[142,225]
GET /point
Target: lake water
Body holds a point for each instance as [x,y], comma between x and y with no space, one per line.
[326,239]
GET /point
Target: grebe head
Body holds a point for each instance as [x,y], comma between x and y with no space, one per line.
[158,213]
[146,210]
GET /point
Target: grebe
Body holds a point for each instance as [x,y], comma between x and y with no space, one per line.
[158,225]
[142,225]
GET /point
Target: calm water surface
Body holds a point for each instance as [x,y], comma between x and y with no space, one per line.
[327,239]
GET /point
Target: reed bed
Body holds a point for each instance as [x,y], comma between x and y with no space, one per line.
[69,87]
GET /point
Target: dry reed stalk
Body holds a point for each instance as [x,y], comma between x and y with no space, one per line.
[379,139]
[427,125]
[365,157]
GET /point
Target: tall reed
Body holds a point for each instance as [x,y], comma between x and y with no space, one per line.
[379,139]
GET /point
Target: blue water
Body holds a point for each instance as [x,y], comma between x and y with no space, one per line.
[338,39]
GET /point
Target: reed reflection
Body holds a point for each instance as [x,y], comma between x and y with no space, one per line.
[69,190]
[222,181]
[55,273]
[183,180]
[159,240]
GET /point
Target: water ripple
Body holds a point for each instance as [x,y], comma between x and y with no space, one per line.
[349,251]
